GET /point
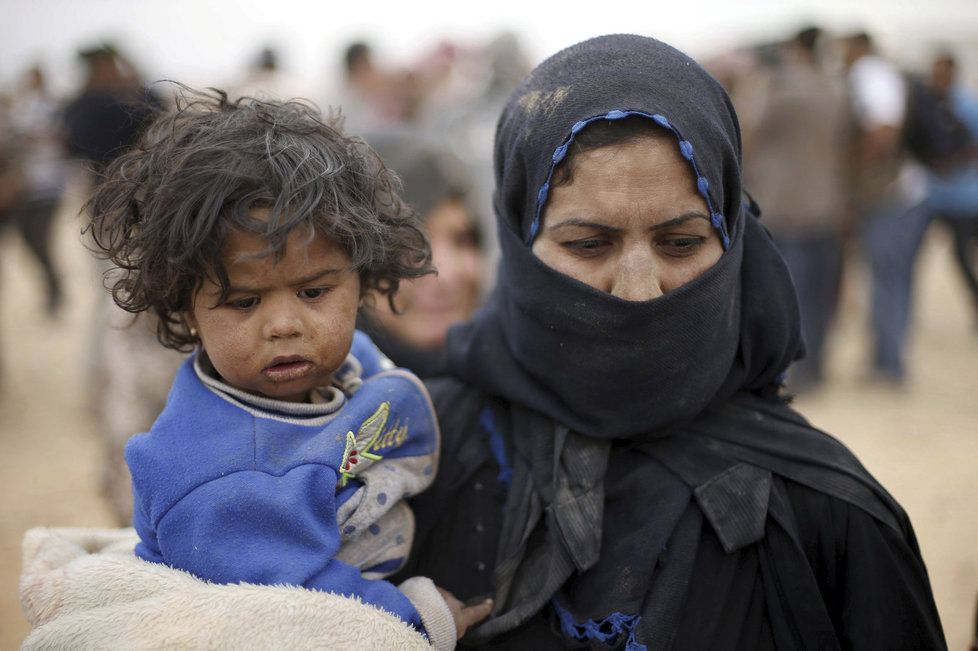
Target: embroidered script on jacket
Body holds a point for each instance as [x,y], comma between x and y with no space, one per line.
[362,448]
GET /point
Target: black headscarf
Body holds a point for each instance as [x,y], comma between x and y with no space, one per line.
[589,387]
[579,367]
[601,365]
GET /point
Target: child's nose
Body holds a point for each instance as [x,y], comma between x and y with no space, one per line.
[282,322]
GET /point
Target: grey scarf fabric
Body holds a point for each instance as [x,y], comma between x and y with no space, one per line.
[558,477]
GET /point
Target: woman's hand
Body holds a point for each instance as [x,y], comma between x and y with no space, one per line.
[465,616]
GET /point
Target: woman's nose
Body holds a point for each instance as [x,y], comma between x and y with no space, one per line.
[636,277]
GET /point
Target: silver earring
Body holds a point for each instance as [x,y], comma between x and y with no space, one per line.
[193,332]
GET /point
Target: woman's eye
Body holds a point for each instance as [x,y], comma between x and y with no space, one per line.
[312,292]
[586,247]
[244,303]
[681,245]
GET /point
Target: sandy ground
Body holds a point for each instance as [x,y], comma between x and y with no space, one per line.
[921,441]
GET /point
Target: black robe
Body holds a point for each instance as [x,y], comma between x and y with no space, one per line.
[827,573]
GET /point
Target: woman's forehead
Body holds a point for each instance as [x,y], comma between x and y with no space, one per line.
[636,186]
[650,157]
[659,123]
[607,78]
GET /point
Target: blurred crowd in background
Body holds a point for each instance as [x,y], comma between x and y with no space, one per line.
[849,156]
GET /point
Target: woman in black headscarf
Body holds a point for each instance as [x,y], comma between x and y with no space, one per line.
[619,470]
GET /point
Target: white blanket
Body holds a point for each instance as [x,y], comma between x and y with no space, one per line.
[85,589]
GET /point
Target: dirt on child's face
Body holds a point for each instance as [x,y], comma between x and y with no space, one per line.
[287,323]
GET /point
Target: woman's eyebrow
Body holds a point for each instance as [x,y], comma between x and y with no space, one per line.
[584,223]
[685,217]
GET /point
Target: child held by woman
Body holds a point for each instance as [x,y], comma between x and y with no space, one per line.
[289,443]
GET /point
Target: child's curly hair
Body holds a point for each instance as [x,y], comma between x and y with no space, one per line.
[164,209]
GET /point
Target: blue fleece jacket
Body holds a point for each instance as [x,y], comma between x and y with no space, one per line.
[235,494]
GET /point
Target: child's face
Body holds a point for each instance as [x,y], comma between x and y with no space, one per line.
[287,323]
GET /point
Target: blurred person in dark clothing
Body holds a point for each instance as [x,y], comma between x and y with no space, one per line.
[107,117]
[942,131]
[112,109]
[435,186]
[795,140]
[370,96]
[267,79]
[38,169]
[464,112]
[886,204]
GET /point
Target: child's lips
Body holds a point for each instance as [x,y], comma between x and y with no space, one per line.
[287,369]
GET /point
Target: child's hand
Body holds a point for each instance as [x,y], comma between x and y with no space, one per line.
[465,616]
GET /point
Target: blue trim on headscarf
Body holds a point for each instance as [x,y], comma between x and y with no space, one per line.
[497,445]
[685,148]
[607,630]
